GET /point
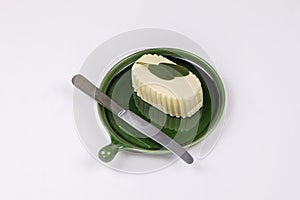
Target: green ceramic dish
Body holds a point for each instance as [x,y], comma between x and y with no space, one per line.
[187,132]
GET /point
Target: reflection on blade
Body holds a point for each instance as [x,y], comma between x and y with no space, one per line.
[154,133]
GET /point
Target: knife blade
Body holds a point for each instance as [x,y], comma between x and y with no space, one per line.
[138,123]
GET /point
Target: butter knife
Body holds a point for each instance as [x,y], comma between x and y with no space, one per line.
[138,123]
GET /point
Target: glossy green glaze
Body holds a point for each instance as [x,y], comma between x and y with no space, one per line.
[108,152]
[187,132]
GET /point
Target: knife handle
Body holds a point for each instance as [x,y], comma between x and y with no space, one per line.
[87,87]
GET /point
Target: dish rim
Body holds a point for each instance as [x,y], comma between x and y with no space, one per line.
[119,66]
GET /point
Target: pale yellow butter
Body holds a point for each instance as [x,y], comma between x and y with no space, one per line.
[180,97]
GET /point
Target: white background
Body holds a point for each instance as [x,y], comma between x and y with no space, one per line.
[254,44]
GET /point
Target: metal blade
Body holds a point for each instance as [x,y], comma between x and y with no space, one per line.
[131,118]
[157,135]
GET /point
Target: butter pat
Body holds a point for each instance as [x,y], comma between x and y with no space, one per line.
[170,88]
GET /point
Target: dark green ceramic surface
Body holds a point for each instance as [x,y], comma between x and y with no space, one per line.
[188,131]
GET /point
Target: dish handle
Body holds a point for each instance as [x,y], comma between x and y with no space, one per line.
[108,152]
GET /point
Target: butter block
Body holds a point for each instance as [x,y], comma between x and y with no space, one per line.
[170,88]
